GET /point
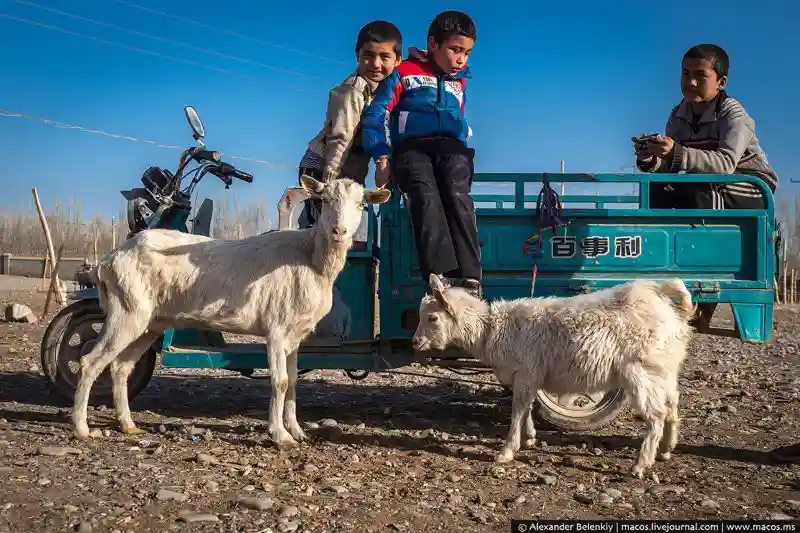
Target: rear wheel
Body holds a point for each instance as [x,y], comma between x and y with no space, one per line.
[71,335]
[579,412]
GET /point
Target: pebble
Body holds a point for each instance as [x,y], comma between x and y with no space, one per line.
[257,504]
[162,429]
[780,516]
[211,486]
[546,480]
[605,499]
[583,498]
[84,527]
[57,451]
[206,459]
[70,508]
[709,504]
[289,526]
[167,494]
[337,489]
[96,433]
[289,511]
[329,423]
[308,468]
[310,425]
[614,493]
[193,516]
[663,489]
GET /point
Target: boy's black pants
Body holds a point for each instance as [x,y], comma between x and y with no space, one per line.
[699,196]
[436,174]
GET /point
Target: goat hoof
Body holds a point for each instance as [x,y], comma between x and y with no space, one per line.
[133,431]
[298,434]
[82,434]
[506,456]
[665,456]
[283,439]
[637,472]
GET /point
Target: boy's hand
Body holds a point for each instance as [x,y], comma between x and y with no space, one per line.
[383,172]
[660,146]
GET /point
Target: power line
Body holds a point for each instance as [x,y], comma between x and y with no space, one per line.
[217,29]
[133,48]
[170,41]
[49,122]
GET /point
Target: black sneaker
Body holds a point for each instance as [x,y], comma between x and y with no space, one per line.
[473,286]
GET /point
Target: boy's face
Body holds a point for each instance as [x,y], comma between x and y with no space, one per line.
[377,60]
[451,56]
[699,81]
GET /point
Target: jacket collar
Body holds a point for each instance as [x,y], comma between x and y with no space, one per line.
[685,112]
[421,56]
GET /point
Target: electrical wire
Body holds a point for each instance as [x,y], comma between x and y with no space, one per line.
[13,114]
[133,48]
[217,29]
[163,39]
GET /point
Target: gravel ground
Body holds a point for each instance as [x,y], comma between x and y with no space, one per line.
[390,453]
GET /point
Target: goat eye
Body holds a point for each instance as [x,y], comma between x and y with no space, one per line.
[433,318]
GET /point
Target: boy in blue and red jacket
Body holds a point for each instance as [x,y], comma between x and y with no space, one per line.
[416,132]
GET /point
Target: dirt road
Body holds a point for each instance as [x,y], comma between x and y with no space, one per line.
[390,453]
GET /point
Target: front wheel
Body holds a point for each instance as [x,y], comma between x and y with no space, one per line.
[579,412]
[71,335]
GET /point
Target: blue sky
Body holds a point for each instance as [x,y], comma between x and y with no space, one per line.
[551,81]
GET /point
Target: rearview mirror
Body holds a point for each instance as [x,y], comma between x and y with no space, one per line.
[194,122]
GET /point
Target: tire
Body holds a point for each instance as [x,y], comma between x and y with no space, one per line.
[57,355]
[595,415]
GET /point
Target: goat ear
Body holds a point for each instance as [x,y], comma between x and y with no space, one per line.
[440,297]
[310,185]
[377,196]
[435,282]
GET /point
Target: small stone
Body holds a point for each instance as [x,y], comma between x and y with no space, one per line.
[289,511]
[336,489]
[70,508]
[308,468]
[162,429]
[329,423]
[597,451]
[84,527]
[211,486]
[190,517]
[605,499]
[709,504]
[57,451]
[583,498]
[453,478]
[543,443]
[355,458]
[780,516]
[96,433]
[729,409]
[20,313]
[664,489]
[546,480]
[206,459]
[171,495]
[287,527]
[614,493]
[310,425]
[654,477]
[257,504]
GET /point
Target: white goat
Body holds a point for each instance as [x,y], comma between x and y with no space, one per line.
[630,336]
[278,285]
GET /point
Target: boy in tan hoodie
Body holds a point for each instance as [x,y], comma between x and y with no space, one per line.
[337,150]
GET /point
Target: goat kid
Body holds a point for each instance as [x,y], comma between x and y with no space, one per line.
[631,336]
[278,285]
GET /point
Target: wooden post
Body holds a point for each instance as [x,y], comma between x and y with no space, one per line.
[60,297]
[777,295]
[793,288]
[96,255]
[53,279]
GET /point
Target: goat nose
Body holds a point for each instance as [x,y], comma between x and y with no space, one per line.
[339,230]
[415,342]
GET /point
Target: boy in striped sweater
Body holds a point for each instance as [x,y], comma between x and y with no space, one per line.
[337,150]
[707,133]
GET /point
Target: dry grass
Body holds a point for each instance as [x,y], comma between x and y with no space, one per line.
[21,233]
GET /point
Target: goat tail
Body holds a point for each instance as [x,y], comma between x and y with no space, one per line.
[675,288]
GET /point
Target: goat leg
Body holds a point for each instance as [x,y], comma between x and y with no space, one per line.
[121,369]
[530,430]
[520,408]
[290,407]
[277,352]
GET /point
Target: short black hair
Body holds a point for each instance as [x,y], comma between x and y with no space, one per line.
[449,23]
[380,31]
[710,52]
